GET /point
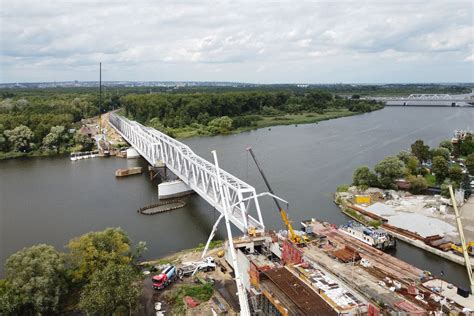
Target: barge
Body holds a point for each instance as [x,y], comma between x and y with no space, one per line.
[375,237]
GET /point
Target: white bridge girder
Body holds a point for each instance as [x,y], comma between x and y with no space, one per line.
[199,174]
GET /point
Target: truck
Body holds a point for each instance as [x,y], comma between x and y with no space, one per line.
[207,264]
[165,278]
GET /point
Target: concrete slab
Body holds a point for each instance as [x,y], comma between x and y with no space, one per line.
[381,209]
[425,226]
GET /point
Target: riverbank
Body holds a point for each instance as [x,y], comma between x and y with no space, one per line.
[269,121]
[36,153]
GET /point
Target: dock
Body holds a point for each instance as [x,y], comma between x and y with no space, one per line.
[128,171]
[390,220]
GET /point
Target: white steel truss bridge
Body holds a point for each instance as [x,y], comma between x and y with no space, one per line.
[199,174]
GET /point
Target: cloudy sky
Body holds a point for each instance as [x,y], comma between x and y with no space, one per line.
[248,41]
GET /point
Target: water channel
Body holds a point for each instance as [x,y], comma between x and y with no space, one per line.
[51,200]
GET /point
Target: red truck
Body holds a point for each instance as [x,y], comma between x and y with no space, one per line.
[165,278]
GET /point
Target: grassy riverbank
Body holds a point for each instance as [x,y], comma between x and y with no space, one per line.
[268,121]
[35,153]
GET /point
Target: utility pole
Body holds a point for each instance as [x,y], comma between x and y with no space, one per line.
[100,98]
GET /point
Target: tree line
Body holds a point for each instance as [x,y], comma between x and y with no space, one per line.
[422,167]
[43,121]
[231,110]
[46,123]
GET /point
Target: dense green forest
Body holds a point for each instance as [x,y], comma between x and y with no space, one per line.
[44,122]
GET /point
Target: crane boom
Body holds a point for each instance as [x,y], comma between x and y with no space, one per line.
[284,216]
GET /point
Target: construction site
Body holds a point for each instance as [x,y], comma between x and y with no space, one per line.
[328,274]
[318,270]
[425,221]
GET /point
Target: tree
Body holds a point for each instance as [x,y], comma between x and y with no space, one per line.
[470,164]
[111,289]
[220,125]
[420,150]
[467,146]
[3,140]
[440,168]
[389,169]
[55,138]
[455,174]
[412,164]
[447,144]
[364,177]
[20,138]
[38,276]
[85,141]
[404,156]
[10,301]
[94,250]
[418,184]
[440,151]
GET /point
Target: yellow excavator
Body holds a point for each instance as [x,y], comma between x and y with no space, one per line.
[458,248]
[294,238]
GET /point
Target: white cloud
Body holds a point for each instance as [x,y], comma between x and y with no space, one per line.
[248,41]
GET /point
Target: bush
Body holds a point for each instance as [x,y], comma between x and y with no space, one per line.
[364,177]
[343,188]
[470,164]
[418,184]
[221,125]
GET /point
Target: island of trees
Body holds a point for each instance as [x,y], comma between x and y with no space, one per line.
[182,115]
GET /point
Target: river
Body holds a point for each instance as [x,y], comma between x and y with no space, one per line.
[51,200]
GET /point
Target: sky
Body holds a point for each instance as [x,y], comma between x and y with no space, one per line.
[242,41]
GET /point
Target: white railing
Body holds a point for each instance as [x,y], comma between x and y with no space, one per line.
[199,174]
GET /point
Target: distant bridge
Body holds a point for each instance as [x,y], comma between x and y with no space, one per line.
[429,100]
[199,174]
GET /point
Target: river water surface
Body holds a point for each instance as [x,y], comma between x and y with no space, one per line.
[51,200]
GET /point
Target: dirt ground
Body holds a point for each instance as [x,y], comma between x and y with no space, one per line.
[224,287]
[112,136]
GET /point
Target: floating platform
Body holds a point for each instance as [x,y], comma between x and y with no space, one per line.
[161,207]
[128,171]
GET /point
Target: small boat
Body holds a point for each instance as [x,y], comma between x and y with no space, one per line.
[375,237]
[128,171]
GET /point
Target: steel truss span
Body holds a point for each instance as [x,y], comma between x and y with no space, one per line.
[199,174]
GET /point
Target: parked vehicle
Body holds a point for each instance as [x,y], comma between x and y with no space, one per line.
[207,264]
[165,278]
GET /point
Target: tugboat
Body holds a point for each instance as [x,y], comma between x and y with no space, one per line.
[375,237]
